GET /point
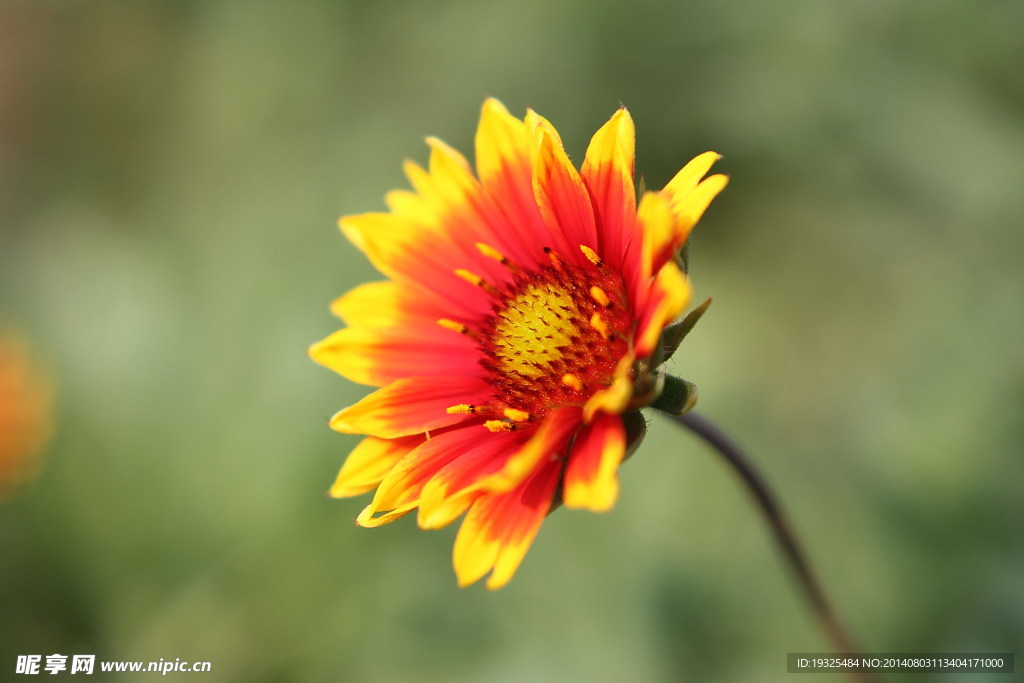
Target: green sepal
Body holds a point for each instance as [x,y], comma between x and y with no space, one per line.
[673,335]
[678,397]
[636,429]
[682,258]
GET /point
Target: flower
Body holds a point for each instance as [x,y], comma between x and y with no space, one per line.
[24,416]
[521,320]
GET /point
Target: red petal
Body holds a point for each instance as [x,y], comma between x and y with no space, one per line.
[591,479]
[563,200]
[380,357]
[411,406]
[400,491]
[608,174]
[500,528]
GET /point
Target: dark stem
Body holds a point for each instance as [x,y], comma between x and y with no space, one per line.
[717,439]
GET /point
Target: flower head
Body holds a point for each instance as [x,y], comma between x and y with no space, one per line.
[521,320]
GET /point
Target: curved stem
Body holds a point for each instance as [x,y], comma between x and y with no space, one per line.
[784,535]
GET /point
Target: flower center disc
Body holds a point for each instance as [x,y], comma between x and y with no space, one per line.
[555,337]
[533,328]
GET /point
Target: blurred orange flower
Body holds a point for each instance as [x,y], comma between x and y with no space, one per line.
[24,416]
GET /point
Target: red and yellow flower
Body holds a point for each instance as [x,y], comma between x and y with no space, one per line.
[521,319]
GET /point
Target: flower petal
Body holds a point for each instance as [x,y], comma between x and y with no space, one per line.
[591,479]
[457,206]
[549,440]
[657,224]
[689,175]
[454,488]
[393,333]
[387,304]
[380,357]
[399,492]
[424,259]
[411,406]
[502,140]
[670,294]
[503,161]
[688,211]
[616,397]
[369,462]
[690,196]
[500,528]
[563,200]
[608,174]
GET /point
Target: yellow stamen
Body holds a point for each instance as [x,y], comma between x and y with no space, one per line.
[490,252]
[461,409]
[517,415]
[453,326]
[598,295]
[556,260]
[497,426]
[468,276]
[572,381]
[474,279]
[598,323]
[457,327]
[591,255]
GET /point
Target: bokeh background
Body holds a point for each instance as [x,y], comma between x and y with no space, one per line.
[171,174]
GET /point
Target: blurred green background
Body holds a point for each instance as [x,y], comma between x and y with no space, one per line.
[171,174]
